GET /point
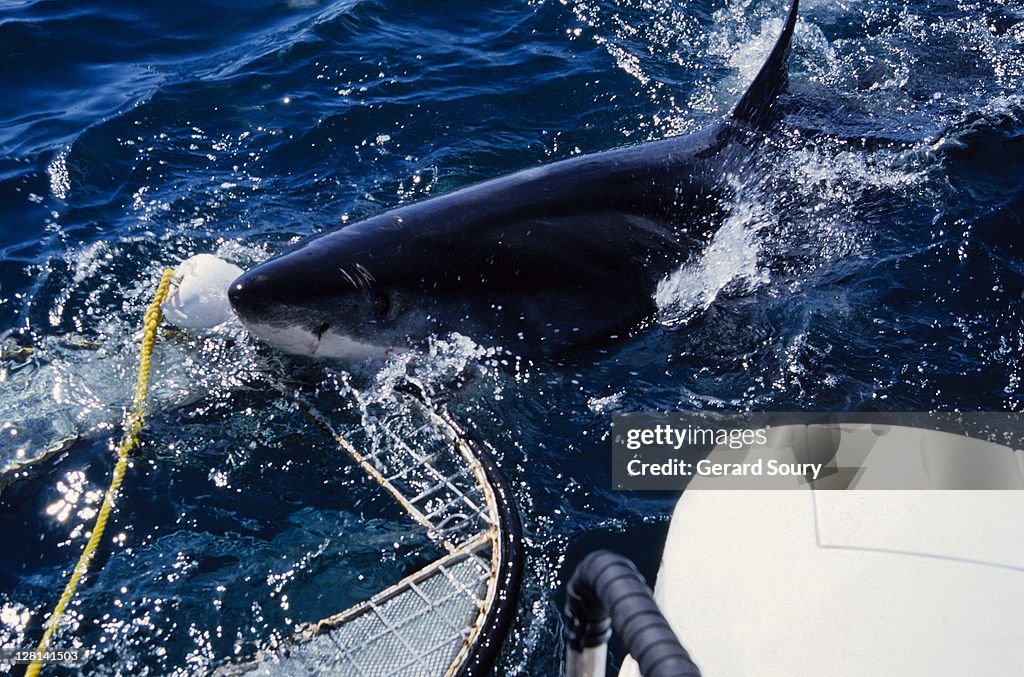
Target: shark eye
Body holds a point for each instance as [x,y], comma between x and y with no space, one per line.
[381,305]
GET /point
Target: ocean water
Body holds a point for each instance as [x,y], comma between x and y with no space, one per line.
[873,262]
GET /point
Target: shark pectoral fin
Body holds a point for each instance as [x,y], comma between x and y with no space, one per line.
[753,107]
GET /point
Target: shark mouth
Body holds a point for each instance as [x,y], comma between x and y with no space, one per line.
[323,342]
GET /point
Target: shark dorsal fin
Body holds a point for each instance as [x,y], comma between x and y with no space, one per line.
[770,80]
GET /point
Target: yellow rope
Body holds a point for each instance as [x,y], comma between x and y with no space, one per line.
[129,441]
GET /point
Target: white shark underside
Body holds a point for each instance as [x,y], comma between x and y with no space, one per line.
[297,339]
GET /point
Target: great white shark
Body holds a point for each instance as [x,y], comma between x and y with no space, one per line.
[537,262]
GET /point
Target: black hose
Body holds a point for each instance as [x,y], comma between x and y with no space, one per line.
[607,590]
[487,648]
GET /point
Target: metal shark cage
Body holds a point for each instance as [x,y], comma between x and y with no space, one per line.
[451,616]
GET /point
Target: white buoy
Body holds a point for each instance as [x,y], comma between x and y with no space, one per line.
[199,292]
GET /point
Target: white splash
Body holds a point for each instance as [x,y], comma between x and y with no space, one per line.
[748,57]
[60,180]
[600,405]
[447,360]
[729,263]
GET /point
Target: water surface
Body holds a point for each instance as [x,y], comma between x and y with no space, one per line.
[871,262]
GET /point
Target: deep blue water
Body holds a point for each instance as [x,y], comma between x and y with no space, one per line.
[874,263]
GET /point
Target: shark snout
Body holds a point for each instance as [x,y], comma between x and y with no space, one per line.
[249,295]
